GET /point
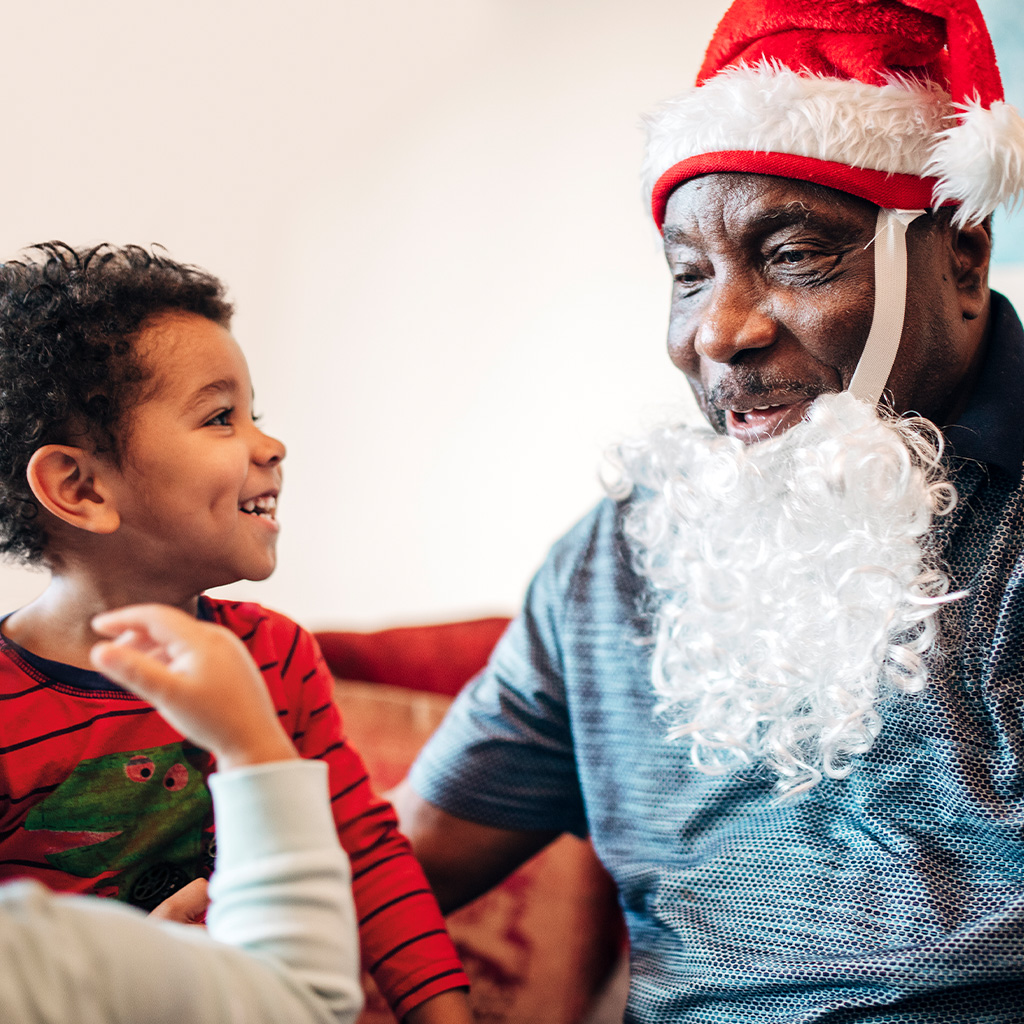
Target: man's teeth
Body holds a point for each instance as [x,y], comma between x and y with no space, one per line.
[263,506]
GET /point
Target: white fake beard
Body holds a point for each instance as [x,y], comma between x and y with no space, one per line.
[795,590]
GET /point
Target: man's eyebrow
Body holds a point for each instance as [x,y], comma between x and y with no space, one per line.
[829,221]
[674,236]
[796,212]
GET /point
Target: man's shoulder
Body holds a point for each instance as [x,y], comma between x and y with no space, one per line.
[588,579]
[596,538]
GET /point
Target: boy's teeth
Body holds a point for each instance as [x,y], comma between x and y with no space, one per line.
[264,505]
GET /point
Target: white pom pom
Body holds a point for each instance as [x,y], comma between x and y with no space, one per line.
[980,161]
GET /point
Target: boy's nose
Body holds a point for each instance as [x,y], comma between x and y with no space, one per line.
[268,451]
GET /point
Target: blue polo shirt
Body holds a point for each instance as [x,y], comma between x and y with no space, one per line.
[895,895]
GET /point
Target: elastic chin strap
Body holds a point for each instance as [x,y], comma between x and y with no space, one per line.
[872,373]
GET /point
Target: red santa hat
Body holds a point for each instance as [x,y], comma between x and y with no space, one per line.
[899,103]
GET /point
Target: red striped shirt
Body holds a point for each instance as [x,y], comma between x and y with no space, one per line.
[84,772]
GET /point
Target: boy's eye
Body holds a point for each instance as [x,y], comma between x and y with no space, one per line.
[221,419]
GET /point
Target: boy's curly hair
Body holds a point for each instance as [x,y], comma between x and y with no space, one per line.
[68,366]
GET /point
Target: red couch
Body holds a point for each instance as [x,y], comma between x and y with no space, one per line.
[539,948]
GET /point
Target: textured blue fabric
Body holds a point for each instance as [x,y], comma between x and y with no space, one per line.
[896,895]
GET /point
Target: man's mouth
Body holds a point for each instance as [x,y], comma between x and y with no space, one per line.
[759,422]
[264,505]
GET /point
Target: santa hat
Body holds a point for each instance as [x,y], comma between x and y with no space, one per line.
[899,103]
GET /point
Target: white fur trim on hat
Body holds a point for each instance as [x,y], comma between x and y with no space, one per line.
[976,153]
[768,108]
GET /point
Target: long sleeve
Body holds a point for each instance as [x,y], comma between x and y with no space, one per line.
[281,939]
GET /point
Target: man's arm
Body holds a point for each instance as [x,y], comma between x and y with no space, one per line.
[505,754]
[462,859]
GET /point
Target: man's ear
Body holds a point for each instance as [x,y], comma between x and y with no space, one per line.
[972,248]
[70,484]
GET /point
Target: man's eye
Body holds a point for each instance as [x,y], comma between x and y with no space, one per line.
[687,279]
[221,419]
[810,265]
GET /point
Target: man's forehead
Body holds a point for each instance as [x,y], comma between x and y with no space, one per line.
[760,202]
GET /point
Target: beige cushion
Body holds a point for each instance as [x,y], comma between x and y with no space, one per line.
[539,946]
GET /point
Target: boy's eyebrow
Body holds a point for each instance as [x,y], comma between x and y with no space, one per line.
[213,388]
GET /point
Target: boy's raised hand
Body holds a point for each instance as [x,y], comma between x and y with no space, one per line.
[199,676]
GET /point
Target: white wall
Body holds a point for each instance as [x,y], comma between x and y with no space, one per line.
[429,216]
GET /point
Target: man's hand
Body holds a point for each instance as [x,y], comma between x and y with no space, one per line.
[200,678]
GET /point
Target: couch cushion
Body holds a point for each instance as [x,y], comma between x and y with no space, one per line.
[537,947]
[435,659]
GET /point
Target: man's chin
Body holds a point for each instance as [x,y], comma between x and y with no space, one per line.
[761,424]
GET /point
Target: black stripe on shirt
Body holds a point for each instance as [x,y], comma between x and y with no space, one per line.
[331,749]
[22,693]
[291,652]
[349,788]
[390,903]
[371,812]
[402,945]
[376,864]
[252,632]
[12,800]
[427,981]
[74,728]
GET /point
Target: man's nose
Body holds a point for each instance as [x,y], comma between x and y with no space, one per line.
[735,319]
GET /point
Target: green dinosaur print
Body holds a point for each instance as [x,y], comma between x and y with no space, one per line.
[147,812]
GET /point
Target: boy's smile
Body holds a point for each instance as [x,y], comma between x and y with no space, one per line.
[197,489]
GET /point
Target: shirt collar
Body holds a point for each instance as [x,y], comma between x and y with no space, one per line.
[990,429]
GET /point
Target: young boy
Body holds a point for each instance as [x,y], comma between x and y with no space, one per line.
[281,943]
[132,467]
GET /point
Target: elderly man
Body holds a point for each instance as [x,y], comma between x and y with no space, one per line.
[778,680]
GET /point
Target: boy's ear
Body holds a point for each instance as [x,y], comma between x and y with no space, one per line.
[69,483]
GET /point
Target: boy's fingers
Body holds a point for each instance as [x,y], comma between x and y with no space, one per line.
[188,905]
